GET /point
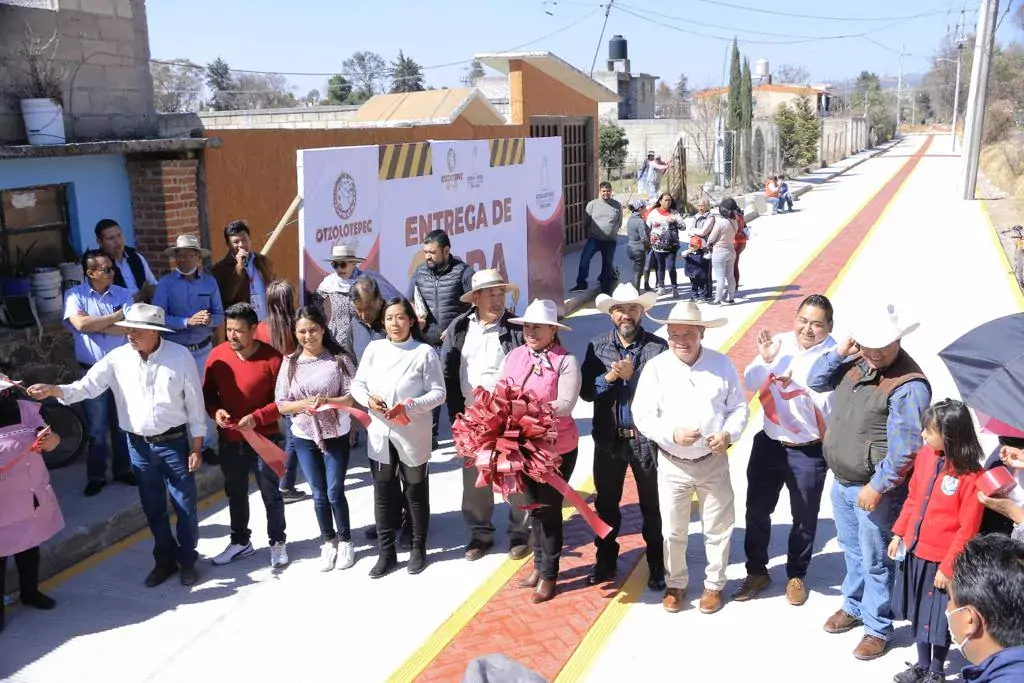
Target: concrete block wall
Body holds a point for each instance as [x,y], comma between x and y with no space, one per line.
[295,118]
[164,205]
[103,48]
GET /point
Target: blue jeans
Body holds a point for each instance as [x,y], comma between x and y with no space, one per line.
[607,249]
[326,475]
[773,202]
[238,461]
[159,468]
[201,356]
[864,537]
[291,465]
[101,424]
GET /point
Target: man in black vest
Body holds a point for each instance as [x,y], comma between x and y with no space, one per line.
[131,270]
[436,290]
[611,370]
[870,445]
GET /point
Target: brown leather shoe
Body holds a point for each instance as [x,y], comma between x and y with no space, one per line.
[752,585]
[544,591]
[674,600]
[710,601]
[530,581]
[519,551]
[870,647]
[841,622]
[476,549]
[796,592]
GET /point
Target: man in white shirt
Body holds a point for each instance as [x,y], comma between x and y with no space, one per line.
[690,403]
[475,344]
[159,403]
[788,451]
[131,270]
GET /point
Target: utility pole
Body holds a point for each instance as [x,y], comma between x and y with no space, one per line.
[976,98]
[899,94]
[956,88]
[607,11]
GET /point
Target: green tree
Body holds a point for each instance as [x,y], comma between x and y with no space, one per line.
[367,71]
[338,90]
[474,72]
[612,146]
[734,110]
[221,84]
[406,75]
[682,89]
[799,133]
[746,124]
[177,86]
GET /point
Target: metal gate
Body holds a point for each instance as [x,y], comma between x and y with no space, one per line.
[577,167]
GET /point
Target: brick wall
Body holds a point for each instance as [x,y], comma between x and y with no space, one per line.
[164,205]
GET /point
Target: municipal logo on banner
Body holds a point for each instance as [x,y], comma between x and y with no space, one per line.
[949,485]
[545,198]
[345,196]
[476,176]
[452,178]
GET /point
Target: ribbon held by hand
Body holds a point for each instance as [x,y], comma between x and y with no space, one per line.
[508,434]
[771,410]
[360,416]
[268,451]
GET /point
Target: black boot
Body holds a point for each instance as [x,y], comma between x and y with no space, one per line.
[386,564]
[38,600]
[417,559]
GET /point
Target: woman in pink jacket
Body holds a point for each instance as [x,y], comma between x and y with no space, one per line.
[29,513]
[542,365]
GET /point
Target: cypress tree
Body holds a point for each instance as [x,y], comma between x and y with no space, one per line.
[734,113]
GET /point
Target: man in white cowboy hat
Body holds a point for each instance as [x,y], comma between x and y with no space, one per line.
[611,371]
[192,304]
[689,401]
[474,346]
[159,405]
[879,395]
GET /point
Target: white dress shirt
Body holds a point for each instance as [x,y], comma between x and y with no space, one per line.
[707,396]
[129,278]
[152,395]
[797,413]
[482,356]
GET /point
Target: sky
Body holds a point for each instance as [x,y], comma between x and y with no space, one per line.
[664,38]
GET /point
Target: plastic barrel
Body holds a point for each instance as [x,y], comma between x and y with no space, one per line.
[71,275]
[44,121]
[45,286]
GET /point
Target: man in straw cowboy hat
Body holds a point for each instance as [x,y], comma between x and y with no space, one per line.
[474,346]
[611,371]
[690,403]
[159,404]
[872,439]
[190,298]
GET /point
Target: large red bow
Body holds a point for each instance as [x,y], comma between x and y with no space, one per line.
[508,434]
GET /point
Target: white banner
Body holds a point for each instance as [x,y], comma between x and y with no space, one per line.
[499,202]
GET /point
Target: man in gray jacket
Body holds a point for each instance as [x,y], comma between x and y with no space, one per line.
[604,218]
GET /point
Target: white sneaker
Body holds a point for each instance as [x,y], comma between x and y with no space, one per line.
[328,556]
[278,555]
[233,552]
[346,554]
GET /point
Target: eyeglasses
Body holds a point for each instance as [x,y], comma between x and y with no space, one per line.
[341,264]
[104,271]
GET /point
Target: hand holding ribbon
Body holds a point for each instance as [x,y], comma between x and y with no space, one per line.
[771,410]
[268,451]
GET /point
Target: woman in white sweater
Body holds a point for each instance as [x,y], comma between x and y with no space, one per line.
[400,380]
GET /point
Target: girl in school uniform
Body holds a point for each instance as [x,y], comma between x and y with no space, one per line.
[940,516]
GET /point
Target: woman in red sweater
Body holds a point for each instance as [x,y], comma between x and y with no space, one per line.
[940,516]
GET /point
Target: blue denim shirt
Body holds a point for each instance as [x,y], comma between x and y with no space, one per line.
[902,427]
[183,297]
[91,346]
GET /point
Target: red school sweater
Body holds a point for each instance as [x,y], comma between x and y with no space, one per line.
[942,511]
[242,387]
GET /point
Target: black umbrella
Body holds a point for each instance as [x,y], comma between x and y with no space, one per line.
[987,365]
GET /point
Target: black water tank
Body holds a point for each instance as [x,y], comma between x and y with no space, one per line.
[617,48]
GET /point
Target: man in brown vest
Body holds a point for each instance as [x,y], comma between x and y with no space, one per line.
[870,445]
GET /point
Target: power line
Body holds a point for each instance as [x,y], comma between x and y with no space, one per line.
[780,13]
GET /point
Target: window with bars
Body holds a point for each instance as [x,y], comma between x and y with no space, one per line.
[34,227]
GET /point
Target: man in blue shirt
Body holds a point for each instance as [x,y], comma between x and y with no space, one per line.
[194,310]
[90,311]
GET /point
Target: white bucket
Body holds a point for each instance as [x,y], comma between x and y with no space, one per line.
[44,121]
[71,275]
[45,286]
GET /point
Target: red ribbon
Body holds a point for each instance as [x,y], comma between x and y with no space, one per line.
[771,410]
[360,416]
[268,451]
[506,435]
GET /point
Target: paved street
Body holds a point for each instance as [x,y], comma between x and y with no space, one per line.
[245,622]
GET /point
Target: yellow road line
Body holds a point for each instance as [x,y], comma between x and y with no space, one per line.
[608,621]
[994,234]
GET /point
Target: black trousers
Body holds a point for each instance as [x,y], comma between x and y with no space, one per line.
[546,520]
[27,562]
[388,480]
[609,476]
[639,265]
[239,462]
[773,465]
[700,287]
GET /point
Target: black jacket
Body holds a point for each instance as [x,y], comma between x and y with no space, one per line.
[509,334]
[441,292]
[601,353]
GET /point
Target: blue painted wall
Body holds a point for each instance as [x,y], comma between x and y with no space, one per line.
[97,187]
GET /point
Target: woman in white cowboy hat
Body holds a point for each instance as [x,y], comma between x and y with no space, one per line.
[29,513]
[690,402]
[545,367]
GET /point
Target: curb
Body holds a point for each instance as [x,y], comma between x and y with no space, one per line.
[582,299]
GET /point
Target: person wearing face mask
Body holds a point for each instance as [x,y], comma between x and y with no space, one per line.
[787,452]
[474,347]
[400,380]
[611,370]
[689,401]
[986,609]
[194,309]
[546,368]
[243,274]
[879,395]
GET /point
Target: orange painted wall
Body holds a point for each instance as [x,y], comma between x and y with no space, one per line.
[252,176]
